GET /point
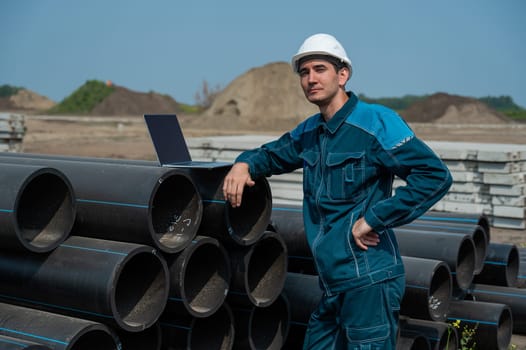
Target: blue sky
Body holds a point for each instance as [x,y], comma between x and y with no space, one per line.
[470,47]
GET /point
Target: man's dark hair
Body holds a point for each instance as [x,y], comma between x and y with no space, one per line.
[337,63]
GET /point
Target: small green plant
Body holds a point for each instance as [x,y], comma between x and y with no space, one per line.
[467,337]
[467,341]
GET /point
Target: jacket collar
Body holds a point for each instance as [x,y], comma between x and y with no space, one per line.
[337,119]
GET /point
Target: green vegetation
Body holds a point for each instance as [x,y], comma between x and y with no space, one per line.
[506,106]
[85,98]
[190,109]
[519,115]
[9,90]
[396,103]
[502,104]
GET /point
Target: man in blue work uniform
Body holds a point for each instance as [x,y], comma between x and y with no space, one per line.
[350,153]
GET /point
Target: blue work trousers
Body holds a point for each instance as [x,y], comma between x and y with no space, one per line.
[361,319]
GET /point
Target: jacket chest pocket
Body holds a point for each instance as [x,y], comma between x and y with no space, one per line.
[347,173]
[311,161]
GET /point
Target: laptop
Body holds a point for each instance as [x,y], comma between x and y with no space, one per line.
[170,145]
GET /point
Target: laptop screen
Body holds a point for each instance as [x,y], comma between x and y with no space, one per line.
[167,138]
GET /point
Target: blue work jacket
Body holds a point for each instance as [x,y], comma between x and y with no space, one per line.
[349,164]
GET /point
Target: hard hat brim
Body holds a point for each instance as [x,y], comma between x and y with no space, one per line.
[297,58]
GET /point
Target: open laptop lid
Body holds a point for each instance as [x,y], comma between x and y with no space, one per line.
[169,143]
[167,138]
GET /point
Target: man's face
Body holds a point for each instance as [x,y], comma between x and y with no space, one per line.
[320,81]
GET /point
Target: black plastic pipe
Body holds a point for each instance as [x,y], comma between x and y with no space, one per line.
[413,342]
[515,298]
[492,321]
[10,343]
[501,267]
[287,221]
[182,331]
[288,218]
[450,218]
[428,289]
[440,335]
[457,250]
[149,338]
[243,225]
[37,208]
[107,281]
[258,271]
[74,158]
[139,204]
[480,239]
[55,331]
[521,275]
[199,277]
[304,294]
[262,327]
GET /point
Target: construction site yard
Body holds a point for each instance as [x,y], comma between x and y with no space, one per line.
[128,138]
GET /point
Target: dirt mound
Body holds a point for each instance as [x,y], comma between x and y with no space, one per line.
[26,100]
[445,108]
[270,98]
[267,97]
[125,102]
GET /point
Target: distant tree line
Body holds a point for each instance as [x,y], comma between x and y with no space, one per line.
[8,90]
[396,103]
[86,97]
[502,104]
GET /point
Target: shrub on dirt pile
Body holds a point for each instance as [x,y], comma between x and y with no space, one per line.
[85,98]
[8,90]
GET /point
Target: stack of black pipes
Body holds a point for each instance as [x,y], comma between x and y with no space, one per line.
[114,254]
[454,275]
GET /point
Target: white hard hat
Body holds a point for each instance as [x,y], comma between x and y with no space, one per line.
[321,44]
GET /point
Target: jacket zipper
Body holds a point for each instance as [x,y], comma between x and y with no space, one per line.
[322,219]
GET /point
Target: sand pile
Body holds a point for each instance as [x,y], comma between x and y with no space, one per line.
[26,100]
[267,97]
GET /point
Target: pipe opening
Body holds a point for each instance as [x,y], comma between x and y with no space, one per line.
[214,332]
[465,264]
[247,223]
[439,293]
[481,246]
[206,280]
[419,343]
[45,212]
[415,342]
[267,270]
[505,328]
[512,267]
[269,326]
[176,213]
[94,339]
[141,291]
